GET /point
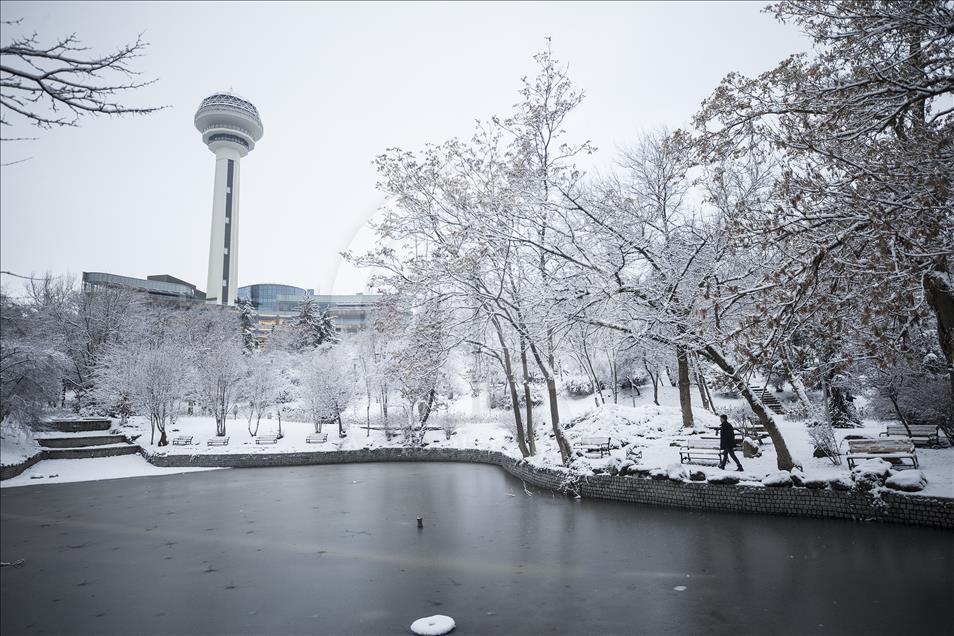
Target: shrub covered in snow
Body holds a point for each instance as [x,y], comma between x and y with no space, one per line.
[823,440]
[781,479]
[871,473]
[907,480]
[677,472]
[577,387]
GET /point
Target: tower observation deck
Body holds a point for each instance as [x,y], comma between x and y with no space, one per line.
[230,127]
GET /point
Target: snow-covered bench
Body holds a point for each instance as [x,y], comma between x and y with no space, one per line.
[317,438]
[182,440]
[700,449]
[593,445]
[892,449]
[921,434]
[219,441]
[266,439]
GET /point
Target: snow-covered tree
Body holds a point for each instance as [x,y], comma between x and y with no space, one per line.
[247,324]
[260,388]
[32,361]
[313,327]
[328,384]
[220,365]
[862,125]
[150,370]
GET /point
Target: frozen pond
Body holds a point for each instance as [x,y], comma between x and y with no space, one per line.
[336,550]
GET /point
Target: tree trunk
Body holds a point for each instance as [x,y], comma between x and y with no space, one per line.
[897,409]
[940,296]
[531,434]
[614,377]
[783,457]
[427,409]
[597,385]
[566,451]
[511,384]
[685,393]
[654,378]
[795,379]
[701,385]
[340,425]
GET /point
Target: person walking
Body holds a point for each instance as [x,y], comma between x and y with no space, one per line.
[727,443]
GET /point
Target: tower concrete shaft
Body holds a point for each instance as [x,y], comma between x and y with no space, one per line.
[223,246]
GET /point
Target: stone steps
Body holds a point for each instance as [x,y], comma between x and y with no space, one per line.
[81,441]
[89,452]
[768,399]
[88,425]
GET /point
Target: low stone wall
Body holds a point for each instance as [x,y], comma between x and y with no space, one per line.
[12,470]
[890,507]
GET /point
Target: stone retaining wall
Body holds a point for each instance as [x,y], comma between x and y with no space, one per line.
[890,507]
[12,470]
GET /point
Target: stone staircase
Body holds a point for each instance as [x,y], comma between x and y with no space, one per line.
[81,439]
[768,399]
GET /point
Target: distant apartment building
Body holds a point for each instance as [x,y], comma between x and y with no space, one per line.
[276,303]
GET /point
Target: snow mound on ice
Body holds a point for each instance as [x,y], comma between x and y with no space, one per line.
[908,481]
[433,625]
[780,479]
[625,423]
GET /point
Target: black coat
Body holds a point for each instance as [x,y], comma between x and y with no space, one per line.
[726,436]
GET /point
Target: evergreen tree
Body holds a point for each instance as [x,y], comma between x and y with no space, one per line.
[313,327]
[247,320]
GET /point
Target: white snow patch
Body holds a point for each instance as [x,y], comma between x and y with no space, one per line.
[680,588]
[677,472]
[780,478]
[433,625]
[908,480]
[61,471]
[872,468]
[16,442]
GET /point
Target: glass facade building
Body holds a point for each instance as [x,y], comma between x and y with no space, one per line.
[161,285]
[275,303]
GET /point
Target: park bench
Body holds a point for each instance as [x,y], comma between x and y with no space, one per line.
[182,440]
[266,439]
[219,441]
[593,445]
[921,434]
[317,438]
[891,449]
[738,435]
[700,448]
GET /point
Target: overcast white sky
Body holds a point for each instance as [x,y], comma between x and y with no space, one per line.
[336,84]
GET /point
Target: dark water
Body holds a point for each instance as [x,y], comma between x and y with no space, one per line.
[336,550]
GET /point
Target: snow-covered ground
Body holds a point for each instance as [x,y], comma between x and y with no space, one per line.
[61,471]
[655,430]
